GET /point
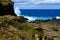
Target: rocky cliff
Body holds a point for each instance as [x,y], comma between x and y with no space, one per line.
[6,7]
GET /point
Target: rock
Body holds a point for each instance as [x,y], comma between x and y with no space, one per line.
[51,30]
[6,8]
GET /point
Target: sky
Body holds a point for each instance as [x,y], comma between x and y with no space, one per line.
[37,1]
[35,4]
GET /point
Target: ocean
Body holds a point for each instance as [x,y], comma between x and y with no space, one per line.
[40,13]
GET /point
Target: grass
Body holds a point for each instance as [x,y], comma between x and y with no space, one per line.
[15,30]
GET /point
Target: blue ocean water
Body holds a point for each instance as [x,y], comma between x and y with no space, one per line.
[43,14]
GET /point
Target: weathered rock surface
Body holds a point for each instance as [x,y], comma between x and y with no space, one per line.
[51,29]
[6,7]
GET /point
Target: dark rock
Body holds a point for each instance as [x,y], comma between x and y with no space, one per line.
[1,9]
[7,9]
[55,29]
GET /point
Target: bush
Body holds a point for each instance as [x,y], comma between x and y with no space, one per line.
[9,22]
[25,26]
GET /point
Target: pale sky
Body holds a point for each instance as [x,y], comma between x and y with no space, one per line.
[37,1]
[37,4]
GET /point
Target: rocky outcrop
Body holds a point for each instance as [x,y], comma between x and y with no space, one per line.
[51,29]
[6,8]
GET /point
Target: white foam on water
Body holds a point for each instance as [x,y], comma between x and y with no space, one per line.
[57,17]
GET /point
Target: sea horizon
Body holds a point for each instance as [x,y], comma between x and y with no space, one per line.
[40,14]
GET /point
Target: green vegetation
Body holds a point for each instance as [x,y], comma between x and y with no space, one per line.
[7,21]
[6,2]
[16,30]
[40,33]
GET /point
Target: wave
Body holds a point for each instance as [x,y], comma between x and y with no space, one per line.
[32,18]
